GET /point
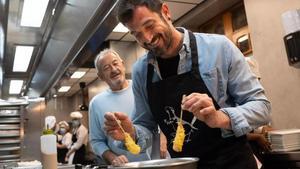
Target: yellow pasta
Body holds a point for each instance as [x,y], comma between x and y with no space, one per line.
[130,144]
[180,134]
[179,138]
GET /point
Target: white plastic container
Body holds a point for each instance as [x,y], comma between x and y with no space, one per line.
[49,151]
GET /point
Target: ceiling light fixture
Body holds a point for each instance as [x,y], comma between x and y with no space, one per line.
[22,58]
[120,28]
[33,12]
[15,86]
[64,89]
[77,74]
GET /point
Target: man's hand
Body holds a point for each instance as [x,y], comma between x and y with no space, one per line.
[112,128]
[114,159]
[163,146]
[119,160]
[263,143]
[201,105]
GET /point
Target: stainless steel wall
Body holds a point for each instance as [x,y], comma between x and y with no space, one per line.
[33,125]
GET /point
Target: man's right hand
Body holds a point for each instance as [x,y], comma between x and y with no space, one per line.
[163,146]
[112,128]
[119,160]
[114,159]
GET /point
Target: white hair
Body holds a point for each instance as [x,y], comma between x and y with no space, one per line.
[102,54]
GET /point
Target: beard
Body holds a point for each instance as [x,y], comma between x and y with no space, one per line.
[165,36]
[117,83]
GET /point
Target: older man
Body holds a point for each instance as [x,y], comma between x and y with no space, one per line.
[117,98]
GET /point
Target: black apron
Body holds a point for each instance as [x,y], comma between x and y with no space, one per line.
[79,156]
[201,141]
[61,153]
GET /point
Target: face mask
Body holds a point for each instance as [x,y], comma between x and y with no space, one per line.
[62,131]
[75,123]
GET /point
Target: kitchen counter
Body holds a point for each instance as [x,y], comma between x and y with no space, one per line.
[282,160]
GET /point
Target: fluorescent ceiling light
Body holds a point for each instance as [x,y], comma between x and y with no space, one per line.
[33,12]
[22,58]
[77,75]
[64,89]
[15,86]
[120,28]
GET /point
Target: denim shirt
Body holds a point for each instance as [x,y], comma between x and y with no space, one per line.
[226,74]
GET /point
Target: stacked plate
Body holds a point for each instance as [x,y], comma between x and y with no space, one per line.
[285,140]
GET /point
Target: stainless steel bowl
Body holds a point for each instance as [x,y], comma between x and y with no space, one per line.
[173,163]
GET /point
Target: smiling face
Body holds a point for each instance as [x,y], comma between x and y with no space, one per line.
[154,31]
[112,71]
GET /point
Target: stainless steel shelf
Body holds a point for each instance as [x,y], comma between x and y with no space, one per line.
[9,135]
[3,157]
[9,161]
[9,126]
[10,120]
[10,148]
[10,141]
[9,113]
[10,130]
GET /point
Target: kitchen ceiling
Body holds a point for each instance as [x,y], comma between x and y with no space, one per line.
[71,34]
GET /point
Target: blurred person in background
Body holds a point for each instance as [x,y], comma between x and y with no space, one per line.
[65,142]
[76,153]
[259,143]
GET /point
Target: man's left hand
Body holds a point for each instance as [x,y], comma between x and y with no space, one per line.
[201,105]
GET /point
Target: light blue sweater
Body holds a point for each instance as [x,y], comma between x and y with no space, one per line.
[111,101]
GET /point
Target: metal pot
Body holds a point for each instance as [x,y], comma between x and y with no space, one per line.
[173,163]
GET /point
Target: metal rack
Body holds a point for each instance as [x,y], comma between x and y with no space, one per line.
[11,132]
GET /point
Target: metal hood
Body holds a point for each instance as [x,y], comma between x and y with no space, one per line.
[67,27]
[76,24]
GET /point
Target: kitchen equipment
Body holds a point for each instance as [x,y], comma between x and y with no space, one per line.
[291,24]
[285,139]
[173,163]
[11,132]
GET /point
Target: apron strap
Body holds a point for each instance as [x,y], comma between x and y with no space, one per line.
[150,72]
[194,53]
[195,64]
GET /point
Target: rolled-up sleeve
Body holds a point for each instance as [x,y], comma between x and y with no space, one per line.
[252,108]
[142,117]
